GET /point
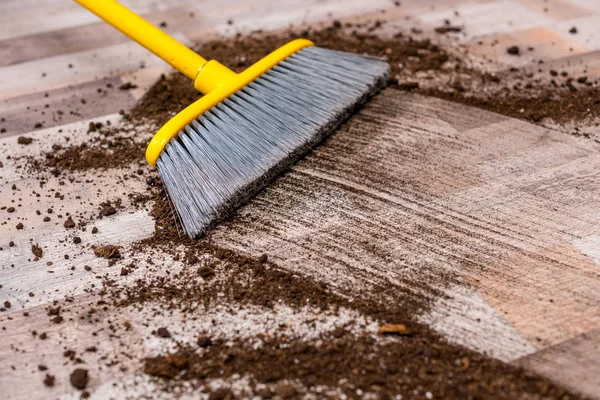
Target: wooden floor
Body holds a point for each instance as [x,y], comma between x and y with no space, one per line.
[509,208]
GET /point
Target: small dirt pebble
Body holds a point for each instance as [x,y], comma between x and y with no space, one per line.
[108,251]
[204,341]
[163,332]
[37,250]
[107,211]
[49,380]
[79,378]
[513,50]
[69,223]
[286,391]
[24,140]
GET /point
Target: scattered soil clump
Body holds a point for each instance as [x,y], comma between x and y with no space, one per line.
[37,250]
[24,140]
[108,251]
[79,378]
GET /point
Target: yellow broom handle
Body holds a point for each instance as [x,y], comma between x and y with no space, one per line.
[178,55]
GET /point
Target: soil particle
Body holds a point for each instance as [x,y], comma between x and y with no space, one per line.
[167,366]
[408,86]
[10,210]
[206,272]
[191,258]
[163,333]
[514,50]
[108,251]
[49,380]
[94,230]
[573,30]
[108,210]
[204,341]
[24,140]
[69,223]
[338,332]
[448,28]
[264,392]
[221,394]
[79,378]
[77,240]
[20,226]
[127,86]
[37,250]
[286,391]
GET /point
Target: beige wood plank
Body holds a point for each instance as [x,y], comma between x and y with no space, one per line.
[81,38]
[65,105]
[36,16]
[558,9]
[573,364]
[87,66]
[495,17]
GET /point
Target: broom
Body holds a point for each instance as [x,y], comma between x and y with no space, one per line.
[249,127]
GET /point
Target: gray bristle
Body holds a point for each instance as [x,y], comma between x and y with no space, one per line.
[229,153]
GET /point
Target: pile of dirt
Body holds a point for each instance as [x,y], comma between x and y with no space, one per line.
[355,366]
[109,147]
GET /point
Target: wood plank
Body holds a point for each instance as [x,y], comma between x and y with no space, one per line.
[54,72]
[65,105]
[30,17]
[573,364]
[489,18]
[81,38]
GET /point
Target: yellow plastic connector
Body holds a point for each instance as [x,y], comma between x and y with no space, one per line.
[211,78]
[218,82]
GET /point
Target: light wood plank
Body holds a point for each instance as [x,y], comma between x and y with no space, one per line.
[573,364]
[81,38]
